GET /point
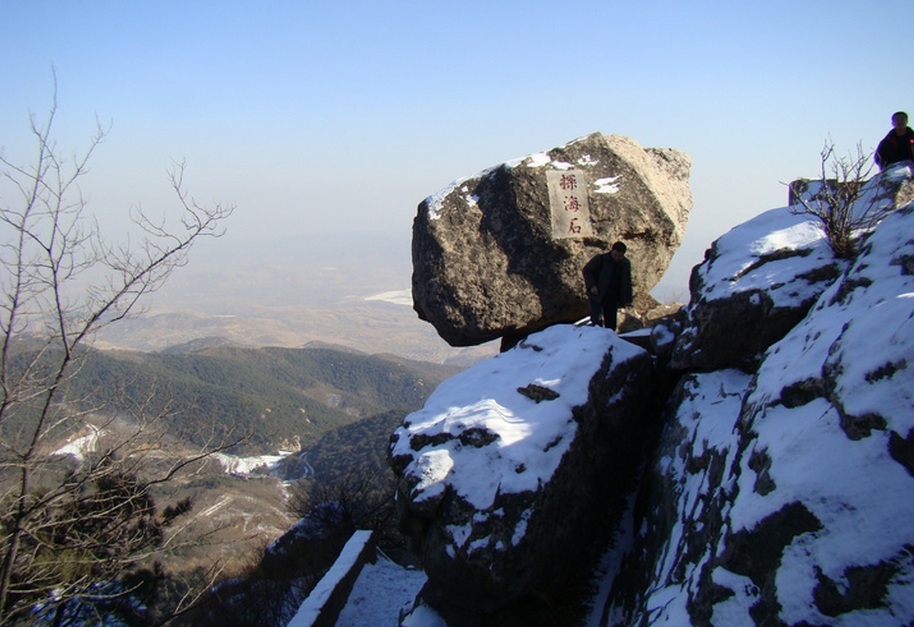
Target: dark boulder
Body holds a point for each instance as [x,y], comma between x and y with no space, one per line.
[503,488]
[501,253]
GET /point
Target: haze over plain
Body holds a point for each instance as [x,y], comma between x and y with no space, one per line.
[327,123]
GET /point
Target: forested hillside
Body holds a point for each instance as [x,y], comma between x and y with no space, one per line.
[282,396]
[336,406]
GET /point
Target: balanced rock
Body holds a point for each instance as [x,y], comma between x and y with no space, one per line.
[508,474]
[501,253]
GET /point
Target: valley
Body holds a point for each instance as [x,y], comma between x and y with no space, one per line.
[304,415]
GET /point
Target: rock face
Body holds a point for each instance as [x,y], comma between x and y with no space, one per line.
[503,490]
[746,295]
[500,254]
[784,496]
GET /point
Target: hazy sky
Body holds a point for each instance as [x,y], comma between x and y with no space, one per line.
[317,117]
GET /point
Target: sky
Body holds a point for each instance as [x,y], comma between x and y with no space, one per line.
[338,118]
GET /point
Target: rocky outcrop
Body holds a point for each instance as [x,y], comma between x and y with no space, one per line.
[747,294]
[503,489]
[779,489]
[500,254]
[782,496]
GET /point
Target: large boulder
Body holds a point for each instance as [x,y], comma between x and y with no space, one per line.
[512,468]
[500,254]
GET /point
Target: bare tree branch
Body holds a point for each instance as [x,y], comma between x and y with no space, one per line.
[836,200]
[65,531]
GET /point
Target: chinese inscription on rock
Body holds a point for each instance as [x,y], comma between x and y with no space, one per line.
[568,203]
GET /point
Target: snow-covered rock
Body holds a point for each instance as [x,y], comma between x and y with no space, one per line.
[512,467]
[760,279]
[750,290]
[779,493]
[786,497]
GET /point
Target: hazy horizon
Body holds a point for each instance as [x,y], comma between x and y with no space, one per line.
[335,120]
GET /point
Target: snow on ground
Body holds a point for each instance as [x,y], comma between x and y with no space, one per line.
[348,558]
[245,466]
[395,297]
[79,447]
[382,591]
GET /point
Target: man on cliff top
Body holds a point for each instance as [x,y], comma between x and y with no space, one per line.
[898,145]
[608,279]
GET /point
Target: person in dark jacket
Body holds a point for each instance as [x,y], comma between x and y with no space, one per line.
[608,279]
[898,145]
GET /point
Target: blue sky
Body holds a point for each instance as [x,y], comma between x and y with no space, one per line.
[321,117]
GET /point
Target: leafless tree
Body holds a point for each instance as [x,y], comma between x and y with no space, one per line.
[69,532]
[836,200]
[361,499]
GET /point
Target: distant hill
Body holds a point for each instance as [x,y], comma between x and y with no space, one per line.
[282,292]
[282,395]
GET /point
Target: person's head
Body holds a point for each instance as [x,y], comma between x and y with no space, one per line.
[618,250]
[900,121]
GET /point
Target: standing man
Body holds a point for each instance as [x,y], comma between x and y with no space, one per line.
[608,278]
[898,145]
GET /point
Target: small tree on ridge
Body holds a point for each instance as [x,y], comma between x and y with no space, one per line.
[836,202]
